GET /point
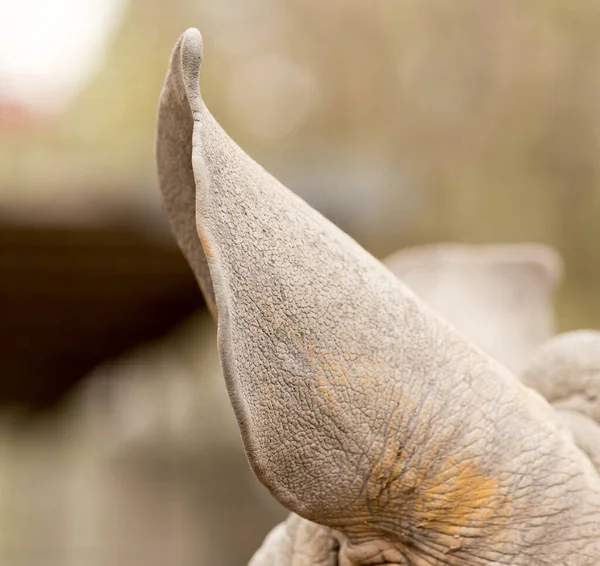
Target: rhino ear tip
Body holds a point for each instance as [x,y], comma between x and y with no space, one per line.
[190,62]
[192,42]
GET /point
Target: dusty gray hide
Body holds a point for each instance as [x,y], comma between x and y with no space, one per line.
[360,409]
[500,296]
[566,370]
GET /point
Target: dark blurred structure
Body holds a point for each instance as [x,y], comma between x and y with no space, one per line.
[72,297]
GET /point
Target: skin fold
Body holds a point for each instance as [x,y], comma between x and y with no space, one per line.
[566,370]
[361,410]
[586,433]
[500,296]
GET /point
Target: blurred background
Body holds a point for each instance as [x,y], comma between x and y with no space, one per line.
[403,122]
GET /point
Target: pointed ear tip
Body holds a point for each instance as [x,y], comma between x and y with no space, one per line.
[192,41]
[191,48]
[186,61]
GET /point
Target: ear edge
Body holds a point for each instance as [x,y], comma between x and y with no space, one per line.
[179,100]
[191,58]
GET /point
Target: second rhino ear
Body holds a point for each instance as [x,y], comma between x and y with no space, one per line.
[500,296]
[359,408]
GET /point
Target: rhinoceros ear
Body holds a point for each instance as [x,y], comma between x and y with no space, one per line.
[500,296]
[359,408]
[174,159]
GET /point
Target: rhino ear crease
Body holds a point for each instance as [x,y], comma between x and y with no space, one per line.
[179,100]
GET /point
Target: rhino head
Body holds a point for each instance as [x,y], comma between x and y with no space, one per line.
[389,436]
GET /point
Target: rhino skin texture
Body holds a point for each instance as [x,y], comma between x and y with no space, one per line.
[501,297]
[361,410]
[566,371]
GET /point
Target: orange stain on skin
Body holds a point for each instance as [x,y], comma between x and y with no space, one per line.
[208,252]
[446,498]
[452,507]
[460,496]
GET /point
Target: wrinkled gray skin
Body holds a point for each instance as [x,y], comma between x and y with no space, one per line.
[566,370]
[360,409]
[500,296]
